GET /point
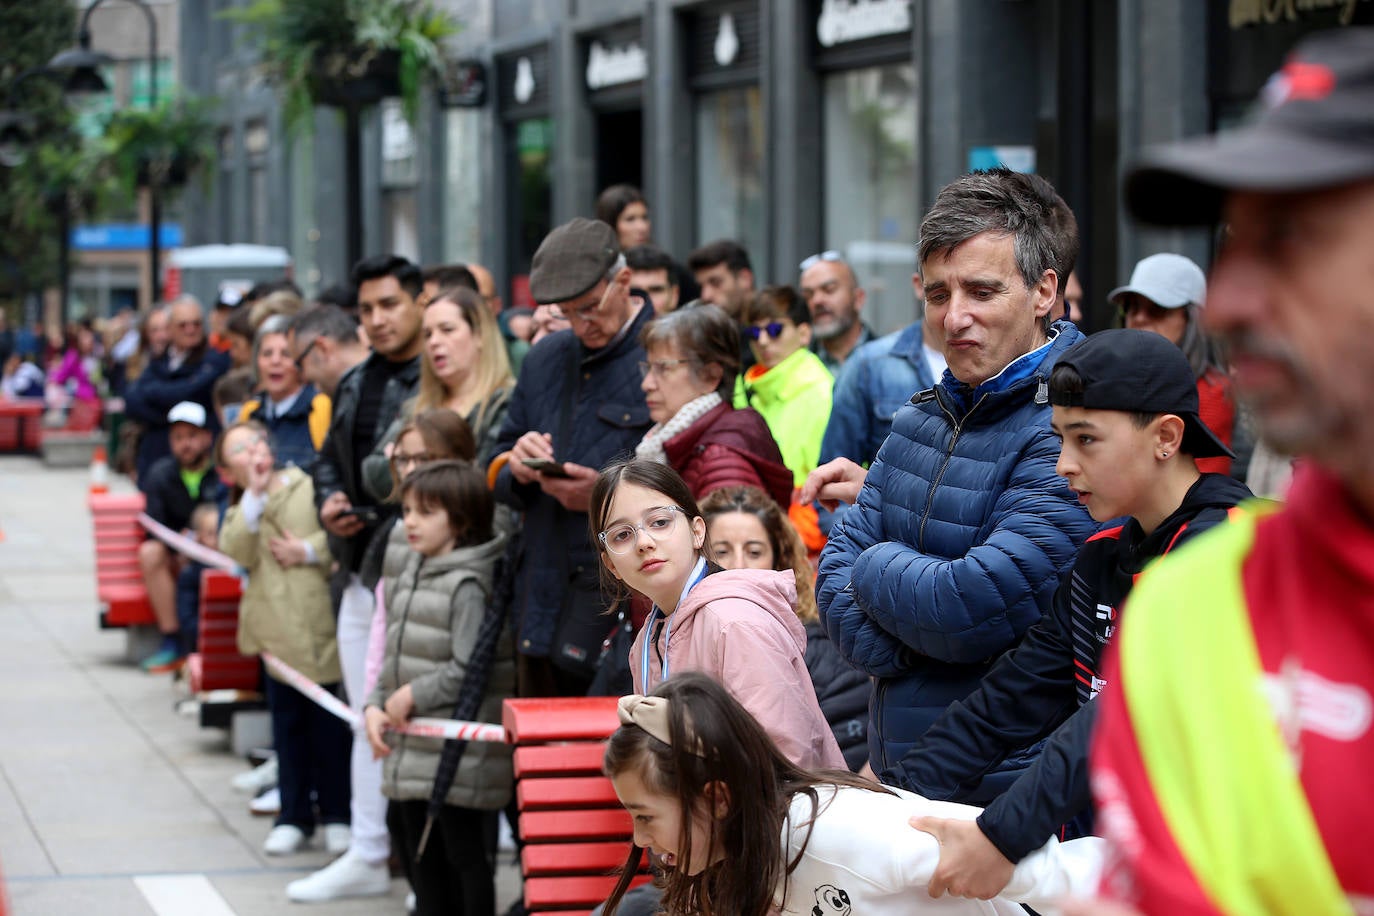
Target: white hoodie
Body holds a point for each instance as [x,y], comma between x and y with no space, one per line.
[863,859]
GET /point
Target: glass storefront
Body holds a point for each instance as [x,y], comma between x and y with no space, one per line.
[730,181]
[532,142]
[870,185]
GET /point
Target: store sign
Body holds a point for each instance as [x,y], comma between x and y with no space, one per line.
[615,66]
[852,20]
[524,80]
[1250,12]
[726,48]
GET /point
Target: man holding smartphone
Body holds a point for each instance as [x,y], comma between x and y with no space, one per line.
[368,398]
[577,406]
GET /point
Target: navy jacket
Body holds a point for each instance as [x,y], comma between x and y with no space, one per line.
[842,692]
[335,468]
[557,574]
[167,499]
[159,388]
[1048,681]
[955,546]
[293,432]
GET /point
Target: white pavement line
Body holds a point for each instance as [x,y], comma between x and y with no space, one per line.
[182,895]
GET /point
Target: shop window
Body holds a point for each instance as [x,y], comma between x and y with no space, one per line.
[532,143]
[730,181]
[870,184]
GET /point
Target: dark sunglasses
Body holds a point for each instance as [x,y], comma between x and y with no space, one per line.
[774,328]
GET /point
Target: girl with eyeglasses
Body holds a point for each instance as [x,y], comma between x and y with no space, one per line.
[273,532]
[739,626]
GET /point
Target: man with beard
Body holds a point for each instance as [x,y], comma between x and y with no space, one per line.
[1234,739]
[832,292]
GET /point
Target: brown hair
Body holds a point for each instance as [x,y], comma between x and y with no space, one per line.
[705,335]
[715,745]
[446,435]
[774,302]
[492,372]
[235,491]
[788,550]
[651,476]
[458,488]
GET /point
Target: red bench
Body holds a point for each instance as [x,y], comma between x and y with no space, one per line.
[118,578]
[224,680]
[21,425]
[576,833]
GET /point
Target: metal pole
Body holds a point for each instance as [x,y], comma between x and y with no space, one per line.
[64,248]
[353,183]
[154,204]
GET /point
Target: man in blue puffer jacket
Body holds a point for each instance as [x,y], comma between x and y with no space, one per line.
[962,530]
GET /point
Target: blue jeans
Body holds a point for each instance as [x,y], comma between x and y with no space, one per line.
[313,750]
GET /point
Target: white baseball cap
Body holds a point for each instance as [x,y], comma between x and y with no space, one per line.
[1168,280]
[188,412]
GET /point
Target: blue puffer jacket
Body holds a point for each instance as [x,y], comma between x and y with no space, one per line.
[557,584]
[955,546]
[877,380]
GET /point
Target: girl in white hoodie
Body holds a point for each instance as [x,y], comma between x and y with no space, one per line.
[742,831]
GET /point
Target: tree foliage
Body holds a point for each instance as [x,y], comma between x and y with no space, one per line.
[31,32]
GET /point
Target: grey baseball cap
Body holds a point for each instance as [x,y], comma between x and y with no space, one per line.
[572,259]
[1315,131]
[1168,280]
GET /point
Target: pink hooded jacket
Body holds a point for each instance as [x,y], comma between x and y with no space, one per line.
[739,626]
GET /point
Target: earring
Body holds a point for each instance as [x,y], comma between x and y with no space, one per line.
[1163,454]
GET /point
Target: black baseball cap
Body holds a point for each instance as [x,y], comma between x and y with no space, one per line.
[1139,372]
[572,259]
[1315,130]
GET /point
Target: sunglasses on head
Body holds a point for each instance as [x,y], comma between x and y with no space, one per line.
[774,329]
[827,255]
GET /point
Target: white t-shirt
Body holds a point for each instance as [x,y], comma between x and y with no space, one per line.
[863,859]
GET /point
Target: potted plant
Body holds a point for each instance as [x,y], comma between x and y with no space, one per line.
[346,53]
[163,145]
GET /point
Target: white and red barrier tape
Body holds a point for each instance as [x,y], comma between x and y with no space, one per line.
[423,728]
[188,546]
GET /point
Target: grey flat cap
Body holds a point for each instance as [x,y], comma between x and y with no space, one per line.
[572,259]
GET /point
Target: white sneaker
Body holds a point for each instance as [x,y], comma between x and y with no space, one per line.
[256,779]
[336,838]
[410,902]
[284,840]
[268,803]
[346,876]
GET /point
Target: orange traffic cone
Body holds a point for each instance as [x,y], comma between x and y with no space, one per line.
[100,471]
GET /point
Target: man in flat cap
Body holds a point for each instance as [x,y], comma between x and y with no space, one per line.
[577,406]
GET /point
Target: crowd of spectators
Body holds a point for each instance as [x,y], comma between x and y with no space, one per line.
[906,555]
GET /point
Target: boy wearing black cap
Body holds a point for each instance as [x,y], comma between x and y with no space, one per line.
[1126,411]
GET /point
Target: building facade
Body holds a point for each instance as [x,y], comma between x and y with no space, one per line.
[794,127]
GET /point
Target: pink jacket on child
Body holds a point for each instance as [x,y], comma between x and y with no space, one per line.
[739,626]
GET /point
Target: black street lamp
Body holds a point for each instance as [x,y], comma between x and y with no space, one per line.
[82,66]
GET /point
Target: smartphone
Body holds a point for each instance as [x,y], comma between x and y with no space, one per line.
[543,466]
[365,514]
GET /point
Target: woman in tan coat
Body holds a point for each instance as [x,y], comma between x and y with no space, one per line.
[273,532]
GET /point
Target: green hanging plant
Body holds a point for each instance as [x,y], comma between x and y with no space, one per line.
[164,145]
[344,53]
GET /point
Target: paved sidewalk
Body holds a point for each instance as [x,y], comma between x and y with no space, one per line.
[103,787]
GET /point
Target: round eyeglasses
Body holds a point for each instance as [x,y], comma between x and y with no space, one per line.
[657,523]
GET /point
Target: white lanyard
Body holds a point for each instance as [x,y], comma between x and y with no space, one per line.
[698,573]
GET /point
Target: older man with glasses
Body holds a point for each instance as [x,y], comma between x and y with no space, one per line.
[833,294]
[186,371]
[577,405]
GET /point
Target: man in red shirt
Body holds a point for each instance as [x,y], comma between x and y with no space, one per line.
[1231,764]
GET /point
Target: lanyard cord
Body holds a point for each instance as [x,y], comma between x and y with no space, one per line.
[698,573]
